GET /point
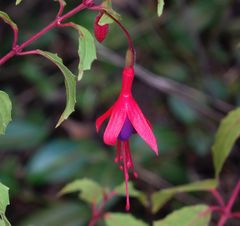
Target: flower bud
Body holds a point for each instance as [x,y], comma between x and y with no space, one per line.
[99,30]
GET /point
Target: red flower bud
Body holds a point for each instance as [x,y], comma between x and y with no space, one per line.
[99,30]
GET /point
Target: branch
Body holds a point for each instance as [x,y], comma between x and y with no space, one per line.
[18,49]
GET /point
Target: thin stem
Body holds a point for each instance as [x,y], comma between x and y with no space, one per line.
[127,147]
[31,52]
[8,56]
[37,35]
[69,24]
[222,220]
[204,213]
[218,197]
[235,215]
[72,12]
[61,7]
[92,222]
[227,211]
[130,41]
[18,49]
[98,212]
[125,31]
[215,209]
[126,176]
[55,23]
[233,197]
[15,37]
[15,34]
[94,215]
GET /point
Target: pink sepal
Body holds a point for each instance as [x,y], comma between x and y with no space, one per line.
[141,125]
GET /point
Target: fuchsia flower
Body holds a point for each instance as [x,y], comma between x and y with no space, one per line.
[126,118]
[100,31]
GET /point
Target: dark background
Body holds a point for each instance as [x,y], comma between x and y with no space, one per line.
[193,51]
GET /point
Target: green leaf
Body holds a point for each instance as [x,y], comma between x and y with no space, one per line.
[18,2]
[4,198]
[86,50]
[187,216]
[227,134]
[106,19]
[2,223]
[119,219]
[160,7]
[6,222]
[89,190]
[161,197]
[8,20]
[5,111]
[120,190]
[70,83]
[4,202]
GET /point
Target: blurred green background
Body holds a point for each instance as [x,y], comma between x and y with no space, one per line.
[187,80]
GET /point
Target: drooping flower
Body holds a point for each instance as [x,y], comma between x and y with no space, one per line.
[100,31]
[126,118]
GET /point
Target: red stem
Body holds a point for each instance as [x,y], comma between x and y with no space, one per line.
[235,215]
[218,197]
[227,211]
[130,41]
[98,212]
[233,197]
[31,52]
[15,37]
[222,220]
[18,49]
[7,57]
[125,31]
[95,215]
[61,7]
[15,34]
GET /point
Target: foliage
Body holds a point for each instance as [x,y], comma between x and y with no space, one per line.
[160,7]
[18,2]
[161,197]
[90,191]
[70,83]
[4,202]
[7,19]
[5,111]
[226,136]
[190,215]
[121,219]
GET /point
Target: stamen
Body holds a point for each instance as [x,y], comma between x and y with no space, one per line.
[124,160]
[130,161]
[118,152]
[126,176]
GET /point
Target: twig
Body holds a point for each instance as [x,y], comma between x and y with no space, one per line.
[18,49]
